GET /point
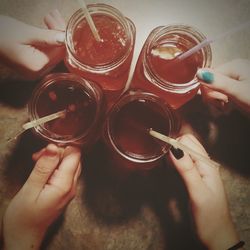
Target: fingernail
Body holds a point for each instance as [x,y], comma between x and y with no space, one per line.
[60,37]
[51,151]
[178,153]
[206,76]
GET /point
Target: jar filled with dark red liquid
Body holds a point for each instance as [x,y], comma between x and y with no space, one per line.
[107,61]
[82,102]
[158,69]
[126,131]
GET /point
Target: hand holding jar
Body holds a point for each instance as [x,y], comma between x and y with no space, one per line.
[49,188]
[208,201]
[29,50]
[228,82]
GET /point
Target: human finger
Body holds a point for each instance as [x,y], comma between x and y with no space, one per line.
[56,13]
[186,167]
[44,168]
[26,59]
[210,94]
[46,37]
[64,176]
[208,172]
[237,91]
[218,82]
[192,142]
[196,145]
[237,69]
[55,21]
[38,154]
[196,173]
[37,62]
[214,98]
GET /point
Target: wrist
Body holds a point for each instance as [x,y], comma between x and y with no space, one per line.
[224,238]
[23,240]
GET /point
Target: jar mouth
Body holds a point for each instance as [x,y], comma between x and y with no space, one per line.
[139,96]
[71,81]
[176,34]
[100,9]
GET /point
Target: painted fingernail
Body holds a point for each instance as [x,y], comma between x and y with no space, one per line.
[206,76]
[60,37]
[178,153]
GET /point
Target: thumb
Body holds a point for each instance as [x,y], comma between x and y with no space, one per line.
[44,168]
[218,81]
[45,38]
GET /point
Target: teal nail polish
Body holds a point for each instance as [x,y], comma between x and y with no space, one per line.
[206,76]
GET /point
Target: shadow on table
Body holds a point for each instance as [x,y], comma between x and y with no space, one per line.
[170,200]
[52,231]
[16,91]
[233,142]
[110,197]
[115,200]
[226,137]
[20,163]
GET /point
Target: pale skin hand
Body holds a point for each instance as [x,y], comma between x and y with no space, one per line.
[29,50]
[49,188]
[207,197]
[231,83]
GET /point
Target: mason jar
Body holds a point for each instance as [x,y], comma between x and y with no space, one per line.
[158,69]
[107,61]
[81,101]
[129,145]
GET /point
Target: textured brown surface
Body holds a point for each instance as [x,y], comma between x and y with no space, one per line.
[144,212]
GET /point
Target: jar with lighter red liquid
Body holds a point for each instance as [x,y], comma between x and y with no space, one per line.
[129,145]
[107,61]
[158,69]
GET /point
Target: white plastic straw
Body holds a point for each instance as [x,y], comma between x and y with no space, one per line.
[39,121]
[183,147]
[90,20]
[210,40]
[44,119]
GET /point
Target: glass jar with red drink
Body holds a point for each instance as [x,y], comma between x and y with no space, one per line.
[107,61]
[126,131]
[158,69]
[82,102]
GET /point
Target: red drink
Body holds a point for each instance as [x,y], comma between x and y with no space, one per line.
[79,105]
[158,71]
[126,131]
[106,62]
[113,41]
[131,124]
[79,98]
[174,70]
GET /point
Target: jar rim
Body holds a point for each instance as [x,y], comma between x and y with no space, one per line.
[124,100]
[177,28]
[109,11]
[86,85]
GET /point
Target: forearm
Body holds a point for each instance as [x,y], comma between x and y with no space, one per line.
[22,241]
[224,238]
